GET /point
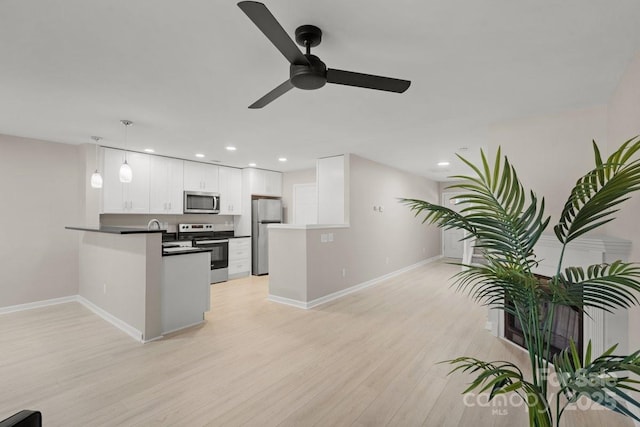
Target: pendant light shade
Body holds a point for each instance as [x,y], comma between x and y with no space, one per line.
[126,174]
[96,178]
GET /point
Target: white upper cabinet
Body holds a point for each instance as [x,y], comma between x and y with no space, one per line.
[265,183]
[230,182]
[331,179]
[118,197]
[166,185]
[200,177]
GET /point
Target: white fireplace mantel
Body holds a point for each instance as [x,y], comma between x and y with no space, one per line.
[602,328]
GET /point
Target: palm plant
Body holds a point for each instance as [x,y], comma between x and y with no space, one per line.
[507,225]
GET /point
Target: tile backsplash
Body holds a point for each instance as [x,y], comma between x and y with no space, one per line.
[137,220]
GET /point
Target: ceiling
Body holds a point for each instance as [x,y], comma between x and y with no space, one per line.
[185,72]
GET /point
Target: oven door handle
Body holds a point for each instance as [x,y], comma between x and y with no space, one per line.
[211,242]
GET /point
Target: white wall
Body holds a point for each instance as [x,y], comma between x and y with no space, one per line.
[41,193]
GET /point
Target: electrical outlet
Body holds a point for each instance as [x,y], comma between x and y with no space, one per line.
[104,288]
[344,272]
[330,237]
[323,238]
[387,260]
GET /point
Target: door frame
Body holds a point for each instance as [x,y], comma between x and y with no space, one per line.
[445,196]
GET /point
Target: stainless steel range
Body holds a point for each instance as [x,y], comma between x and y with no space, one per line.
[214,237]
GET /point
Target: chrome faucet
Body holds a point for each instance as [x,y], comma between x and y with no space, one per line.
[156,222]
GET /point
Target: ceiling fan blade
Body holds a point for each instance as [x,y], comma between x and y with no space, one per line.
[265,21]
[273,95]
[368,81]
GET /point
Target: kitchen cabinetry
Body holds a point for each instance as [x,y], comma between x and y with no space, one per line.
[166,185]
[230,184]
[265,183]
[331,183]
[239,257]
[200,177]
[118,197]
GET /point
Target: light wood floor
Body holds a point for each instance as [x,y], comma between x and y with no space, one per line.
[368,359]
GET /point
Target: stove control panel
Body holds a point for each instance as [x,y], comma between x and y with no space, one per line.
[190,228]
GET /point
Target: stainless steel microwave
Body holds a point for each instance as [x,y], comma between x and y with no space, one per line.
[201,202]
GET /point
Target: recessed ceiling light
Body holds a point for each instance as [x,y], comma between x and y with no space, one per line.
[230,148]
[149,150]
[252,164]
[282,159]
[200,155]
[444,164]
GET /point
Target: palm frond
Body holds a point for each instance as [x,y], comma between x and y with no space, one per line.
[495,211]
[441,216]
[606,286]
[602,380]
[493,285]
[501,377]
[591,202]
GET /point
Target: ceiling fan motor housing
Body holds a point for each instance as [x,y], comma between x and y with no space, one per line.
[308,77]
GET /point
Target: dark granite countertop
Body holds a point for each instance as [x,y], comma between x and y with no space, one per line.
[116,230]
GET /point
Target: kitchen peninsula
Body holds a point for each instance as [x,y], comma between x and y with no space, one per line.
[125,278]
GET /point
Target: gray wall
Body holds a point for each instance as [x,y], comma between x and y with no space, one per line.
[41,192]
[382,242]
[551,152]
[624,123]
[121,275]
[372,245]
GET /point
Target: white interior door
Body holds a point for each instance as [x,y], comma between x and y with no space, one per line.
[305,204]
[452,246]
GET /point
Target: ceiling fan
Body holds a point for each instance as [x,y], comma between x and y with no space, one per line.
[307,71]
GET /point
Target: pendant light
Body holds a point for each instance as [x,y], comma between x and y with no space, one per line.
[126,174]
[96,178]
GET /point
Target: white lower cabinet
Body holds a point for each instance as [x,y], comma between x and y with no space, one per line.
[239,257]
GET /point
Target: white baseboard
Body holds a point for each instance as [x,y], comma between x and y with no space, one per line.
[37,304]
[123,326]
[339,294]
[177,329]
[287,301]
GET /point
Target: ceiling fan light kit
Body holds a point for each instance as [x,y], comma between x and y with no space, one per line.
[307,71]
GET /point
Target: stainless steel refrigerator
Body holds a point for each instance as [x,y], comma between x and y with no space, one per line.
[263,213]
